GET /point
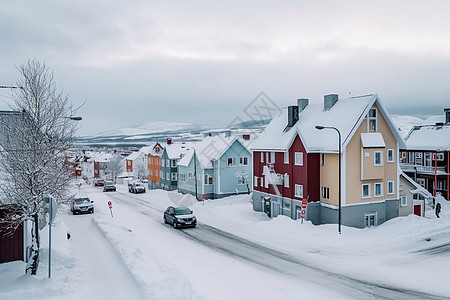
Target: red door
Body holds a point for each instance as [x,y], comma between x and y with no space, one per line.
[417,210]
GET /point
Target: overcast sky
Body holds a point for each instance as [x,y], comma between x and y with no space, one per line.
[202,62]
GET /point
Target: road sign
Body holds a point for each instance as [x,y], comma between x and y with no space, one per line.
[110,204]
[304,205]
[110,208]
[203,196]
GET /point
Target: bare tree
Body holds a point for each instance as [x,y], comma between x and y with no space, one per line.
[242,177]
[141,171]
[116,166]
[33,141]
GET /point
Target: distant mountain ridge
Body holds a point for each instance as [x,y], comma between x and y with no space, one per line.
[159,132]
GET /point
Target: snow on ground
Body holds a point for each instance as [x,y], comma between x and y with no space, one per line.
[134,252]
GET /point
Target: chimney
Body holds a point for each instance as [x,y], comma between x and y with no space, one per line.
[246,137]
[169,141]
[302,103]
[447,115]
[329,101]
[292,115]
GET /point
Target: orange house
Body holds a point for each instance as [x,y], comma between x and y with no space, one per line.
[154,166]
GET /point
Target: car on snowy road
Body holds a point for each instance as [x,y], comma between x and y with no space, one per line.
[136,187]
[109,186]
[99,182]
[179,217]
[82,205]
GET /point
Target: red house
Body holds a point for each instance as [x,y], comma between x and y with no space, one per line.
[295,173]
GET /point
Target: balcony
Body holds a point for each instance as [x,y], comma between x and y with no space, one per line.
[410,168]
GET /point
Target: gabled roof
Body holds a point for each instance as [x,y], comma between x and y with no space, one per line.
[211,148]
[133,155]
[429,137]
[346,115]
[418,188]
[176,150]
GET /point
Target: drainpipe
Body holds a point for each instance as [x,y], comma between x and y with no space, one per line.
[435,173]
[448,174]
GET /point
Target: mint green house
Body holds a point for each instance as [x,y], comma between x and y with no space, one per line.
[216,167]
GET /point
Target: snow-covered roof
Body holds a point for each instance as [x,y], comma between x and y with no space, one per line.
[346,115]
[211,148]
[372,140]
[133,155]
[429,137]
[176,150]
[418,188]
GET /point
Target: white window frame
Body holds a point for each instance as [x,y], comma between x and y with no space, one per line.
[286,157]
[325,193]
[368,190]
[255,181]
[299,191]
[440,156]
[272,157]
[286,180]
[190,174]
[233,162]
[390,155]
[262,157]
[243,161]
[168,176]
[380,184]
[403,201]
[411,158]
[266,183]
[262,181]
[421,182]
[375,158]
[367,218]
[418,160]
[183,177]
[298,159]
[390,187]
[369,119]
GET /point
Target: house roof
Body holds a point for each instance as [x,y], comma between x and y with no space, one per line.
[211,148]
[133,155]
[176,150]
[346,115]
[418,188]
[429,137]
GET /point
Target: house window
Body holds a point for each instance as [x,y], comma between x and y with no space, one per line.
[325,193]
[322,159]
[163,162]
[427,159]
[286,180]
[419,158]
[208,179]
[390,190]
[190,175]
[372,120]
[411,157]
[366,190]
[299,158]
[403,201]
[272,157]
[243,161]
[231,161]
[168,163]
[255,181]
[403,157]
[390,155]
[378,189]
[378,158]
[168,176]
[299,191]
[150,172]
[266,183]
[421,182]
[262,181]
[174,163]
[183,177]
[286,157]
[262,157]
[440,156]
[370,220]
[267,157]
[174,176]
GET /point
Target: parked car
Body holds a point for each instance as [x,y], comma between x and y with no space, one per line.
[136,187]
[82,205]
[179,217]
[99,182]
[109,186]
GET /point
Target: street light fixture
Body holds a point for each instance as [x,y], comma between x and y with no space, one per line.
[339,135]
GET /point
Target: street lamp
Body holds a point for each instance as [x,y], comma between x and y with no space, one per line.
[74,118]
[339,135]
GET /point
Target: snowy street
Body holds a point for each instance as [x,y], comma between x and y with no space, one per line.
[233,253]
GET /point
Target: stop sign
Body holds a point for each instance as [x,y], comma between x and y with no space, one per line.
[109,204]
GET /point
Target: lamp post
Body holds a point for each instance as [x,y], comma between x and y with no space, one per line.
[339,135]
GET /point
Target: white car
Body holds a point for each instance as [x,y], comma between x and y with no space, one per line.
[82,205]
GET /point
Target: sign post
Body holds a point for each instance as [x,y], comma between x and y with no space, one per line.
[304,205]
[52,208]
[110,208]
[203,198]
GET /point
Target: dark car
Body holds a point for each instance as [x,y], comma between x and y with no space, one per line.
[99,182]
[82,205]
[179,217]
[109,186]
[136,187]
